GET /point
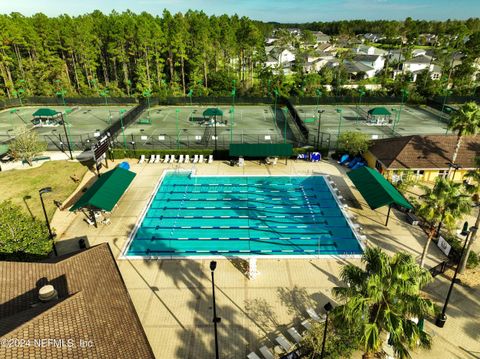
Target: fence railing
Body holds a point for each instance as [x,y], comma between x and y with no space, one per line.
[69,101]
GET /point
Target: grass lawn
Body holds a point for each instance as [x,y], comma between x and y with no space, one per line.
[21,186]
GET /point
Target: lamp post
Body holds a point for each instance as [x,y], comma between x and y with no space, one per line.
[442,318]
[41,192]
[147,93]
[234,92]
[397,119]
[285,113]
[232,116]
[60,92]
[362,93]
[318,126]
[339,111]
[328,307]
[66,135]
[122,111]
[319,94]
[190,94]
[134,149]
[216,320]
[177,111]
[275,91]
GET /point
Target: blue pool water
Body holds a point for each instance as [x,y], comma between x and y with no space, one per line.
[242,216]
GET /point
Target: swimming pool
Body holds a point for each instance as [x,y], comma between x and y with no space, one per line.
[275,216]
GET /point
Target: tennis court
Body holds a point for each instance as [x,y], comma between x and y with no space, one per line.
[81,120]
[158,126]
[410,120]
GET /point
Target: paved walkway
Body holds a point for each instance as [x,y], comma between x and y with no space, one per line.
[173,297]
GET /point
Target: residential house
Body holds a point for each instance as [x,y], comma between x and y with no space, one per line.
[373,37]
[377,62]
[369,50]
[314,62]
[428,156]
[356,69]
[280,58]
[320,37]
[73,299]
[419,64]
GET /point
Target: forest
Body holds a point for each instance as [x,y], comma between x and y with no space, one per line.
[128,54]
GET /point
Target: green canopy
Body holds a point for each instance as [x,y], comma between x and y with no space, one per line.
[210,112]
[379,111]
[106,191]
[45,112]
[261,150]
[376,190]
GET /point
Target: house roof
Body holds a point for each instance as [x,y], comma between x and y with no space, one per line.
[366,58]
[420,59]
[93,304]
[425,152]
[106,191]
[355,67]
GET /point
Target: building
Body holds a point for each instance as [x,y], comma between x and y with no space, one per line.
[427,156]
[419,64]
[369,50]
[320,37]
[377,62]
[58,305]
[358,70]
[280,58]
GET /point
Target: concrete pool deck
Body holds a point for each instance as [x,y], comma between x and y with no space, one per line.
[173,297]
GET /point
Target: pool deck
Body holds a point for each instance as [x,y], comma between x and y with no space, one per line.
[173,297]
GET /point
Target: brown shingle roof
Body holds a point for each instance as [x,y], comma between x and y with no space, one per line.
[425,152]
[93,305]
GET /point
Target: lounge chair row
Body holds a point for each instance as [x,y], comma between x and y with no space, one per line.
[172,159]
[283,342]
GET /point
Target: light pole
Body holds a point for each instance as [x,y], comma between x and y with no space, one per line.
[190,94]
[41,192]
[340,118]
[234,92]
[66,135]
[122,111]
[359,104]
[285,113]
[319,94]
[397,119]
[442,318]
[318,126]
[232,116]
[177,111]
[104,94]
[275,91]
[147,93]
[134,149]
[328,307]
[216,320]
[60,92]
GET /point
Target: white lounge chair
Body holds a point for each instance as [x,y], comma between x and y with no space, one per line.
[172,159]
[152,159]
[294,334]
[157,159]
[275,161]
[307,324]
[187,158]
[90,222]
[195,159]
[167,159]
[210,159]
[253,355]
[313,314]
[241,162]
[180,160]
[284,343]
[200,159]
[142,159]
[267,354]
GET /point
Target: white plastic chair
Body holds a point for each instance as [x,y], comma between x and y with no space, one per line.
[142,159]
[180,160]
[195,159]
[253,355]
[157,159]
[267,354]
[307,324]
[275,161]
[284,343]
[210,159]
[313,314]
[167,159]
[294,334]
[152,159]
[200,159]
[172,159]
[187,158]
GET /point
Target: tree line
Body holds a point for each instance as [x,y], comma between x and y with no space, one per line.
[128,54]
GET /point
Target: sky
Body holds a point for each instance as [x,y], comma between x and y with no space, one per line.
[265,10]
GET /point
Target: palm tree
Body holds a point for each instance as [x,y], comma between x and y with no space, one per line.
[383,299]
[466,121]
[445,203]
[474,189]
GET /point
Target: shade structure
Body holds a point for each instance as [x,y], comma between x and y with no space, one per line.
[375,189]
[45,112]
[106,191]
[379,111]
[261,150]
[210,112]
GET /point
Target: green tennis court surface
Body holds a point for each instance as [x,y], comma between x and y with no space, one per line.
[246,124]
[81,120]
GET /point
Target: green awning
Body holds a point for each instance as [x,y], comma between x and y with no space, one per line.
[261,150]
[210,112]
[376,190]
[379,111]
[45,112]
[106,191]
[3,149]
